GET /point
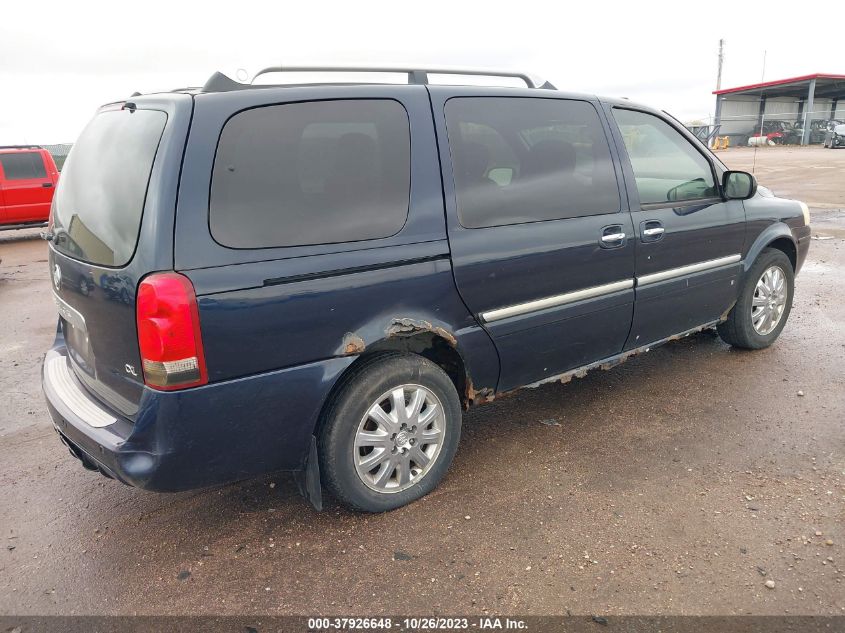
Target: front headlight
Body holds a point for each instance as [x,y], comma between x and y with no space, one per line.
[806,211]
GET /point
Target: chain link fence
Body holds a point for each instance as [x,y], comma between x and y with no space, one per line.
[59,152]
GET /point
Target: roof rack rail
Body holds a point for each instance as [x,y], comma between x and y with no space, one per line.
[219,82]
[21,147]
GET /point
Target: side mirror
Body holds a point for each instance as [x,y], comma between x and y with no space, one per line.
[738,185]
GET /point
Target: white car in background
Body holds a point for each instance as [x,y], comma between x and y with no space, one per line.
[835,137]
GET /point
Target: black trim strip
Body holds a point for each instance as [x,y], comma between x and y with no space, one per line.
[278,281]
[680,204]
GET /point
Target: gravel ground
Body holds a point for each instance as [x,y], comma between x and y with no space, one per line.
[681,482]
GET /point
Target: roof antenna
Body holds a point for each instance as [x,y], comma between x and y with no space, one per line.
[762,116]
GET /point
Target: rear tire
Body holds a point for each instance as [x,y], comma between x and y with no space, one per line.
[763,307]
[389,433]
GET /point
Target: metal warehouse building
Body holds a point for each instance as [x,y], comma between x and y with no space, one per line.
[741,112]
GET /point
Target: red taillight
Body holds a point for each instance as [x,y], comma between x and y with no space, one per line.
[169,334]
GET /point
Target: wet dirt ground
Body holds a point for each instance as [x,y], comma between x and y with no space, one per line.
[677,483]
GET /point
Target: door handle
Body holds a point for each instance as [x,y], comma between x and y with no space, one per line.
[612,236]
[47,185]
[651,231]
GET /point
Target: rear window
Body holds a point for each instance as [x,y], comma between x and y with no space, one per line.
[311,173]
[100,197]
[23,166]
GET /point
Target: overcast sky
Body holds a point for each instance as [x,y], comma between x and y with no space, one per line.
[60,60]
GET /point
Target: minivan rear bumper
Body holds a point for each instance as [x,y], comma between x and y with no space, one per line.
[182,440]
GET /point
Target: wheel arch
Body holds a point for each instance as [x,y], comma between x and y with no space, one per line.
[778,236]
[788,247]
[414,336]
[439,349]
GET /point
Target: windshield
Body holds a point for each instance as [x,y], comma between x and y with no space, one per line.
[100,197]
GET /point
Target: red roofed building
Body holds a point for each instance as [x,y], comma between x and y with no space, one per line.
[819,98]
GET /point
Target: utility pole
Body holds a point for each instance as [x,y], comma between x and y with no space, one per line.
[717,116]
[721,60]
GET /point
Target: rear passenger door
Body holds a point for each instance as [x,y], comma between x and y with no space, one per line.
[27,187]
[538,227]
[689,240]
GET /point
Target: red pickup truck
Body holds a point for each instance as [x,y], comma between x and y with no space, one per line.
[28,177]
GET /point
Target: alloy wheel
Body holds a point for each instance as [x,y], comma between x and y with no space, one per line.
[769,300]
[399,438]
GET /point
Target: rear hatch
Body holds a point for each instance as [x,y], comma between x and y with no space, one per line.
[108,209]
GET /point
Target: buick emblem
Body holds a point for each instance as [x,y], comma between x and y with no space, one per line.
[57,276]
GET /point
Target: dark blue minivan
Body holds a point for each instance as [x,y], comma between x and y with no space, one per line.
[319,278]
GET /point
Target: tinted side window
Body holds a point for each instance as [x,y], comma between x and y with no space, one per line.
[666,166]
[503,162]
[23,165]
[311,173]
[526,160]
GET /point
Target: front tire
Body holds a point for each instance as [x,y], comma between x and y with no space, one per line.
[389,434]
[764,303]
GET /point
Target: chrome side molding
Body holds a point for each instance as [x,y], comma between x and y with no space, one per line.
[597,291]
[556,300]
[682,271]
